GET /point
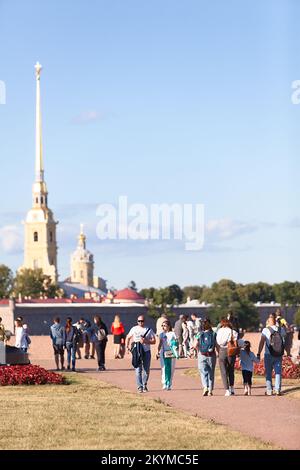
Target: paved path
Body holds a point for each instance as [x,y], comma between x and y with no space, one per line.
[272,419]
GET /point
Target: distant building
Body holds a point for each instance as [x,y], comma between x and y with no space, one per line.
[82,263]
[40,249]
[128,296]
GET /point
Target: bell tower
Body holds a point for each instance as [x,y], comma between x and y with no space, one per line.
[40,249]
[82,262]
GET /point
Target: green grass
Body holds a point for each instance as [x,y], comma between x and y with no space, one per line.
[88,414]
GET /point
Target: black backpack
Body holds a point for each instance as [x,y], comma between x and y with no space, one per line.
[276,346]
[77,335]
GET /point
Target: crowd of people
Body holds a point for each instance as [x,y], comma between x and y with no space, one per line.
[223,343]
[190,338]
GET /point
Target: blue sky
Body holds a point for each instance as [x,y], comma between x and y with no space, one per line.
[162,101]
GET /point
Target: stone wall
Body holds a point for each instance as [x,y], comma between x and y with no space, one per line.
[39,318]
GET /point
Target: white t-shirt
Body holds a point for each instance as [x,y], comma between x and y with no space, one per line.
[267,334]
[166,340]
[224,336]
[137,332]
[21,339]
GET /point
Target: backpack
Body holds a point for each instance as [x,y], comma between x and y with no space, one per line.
[276,346]
[77,335]
[206,342]
[100,334]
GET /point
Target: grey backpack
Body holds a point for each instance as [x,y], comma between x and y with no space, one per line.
[276,346]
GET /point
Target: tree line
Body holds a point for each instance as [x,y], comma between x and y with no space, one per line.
[224,295]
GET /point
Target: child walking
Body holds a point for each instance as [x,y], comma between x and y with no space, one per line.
[247,358]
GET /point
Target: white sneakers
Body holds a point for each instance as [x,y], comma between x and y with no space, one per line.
[227,393]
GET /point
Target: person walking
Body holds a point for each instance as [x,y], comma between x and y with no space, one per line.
[21,337]
[247,358]
[99,338]
[159,324]
[72,339]
[205,344]
[117,330]
[178,330]
[272,339]
[168,351]
[141,338]
[2,331]
[80,325]
[185,339]
[58,336]
[225,337]
[89,346]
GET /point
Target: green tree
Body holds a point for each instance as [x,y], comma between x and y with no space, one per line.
[6,281]
[297,317]
[147,293]
[194,292]
[257,292]
[287,293]
[33,283]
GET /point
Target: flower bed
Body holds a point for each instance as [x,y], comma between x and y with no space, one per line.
[289,369]
[28,375]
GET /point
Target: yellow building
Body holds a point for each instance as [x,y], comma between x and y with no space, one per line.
[40,250]
[82,263]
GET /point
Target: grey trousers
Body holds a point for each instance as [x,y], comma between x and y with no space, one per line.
[226,368]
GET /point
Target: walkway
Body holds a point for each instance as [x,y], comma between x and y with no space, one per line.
[272,419]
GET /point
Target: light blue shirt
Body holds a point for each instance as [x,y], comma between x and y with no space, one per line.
[247,360]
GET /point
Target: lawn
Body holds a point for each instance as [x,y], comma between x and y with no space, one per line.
[88,414]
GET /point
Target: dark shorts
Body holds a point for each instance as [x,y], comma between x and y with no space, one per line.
[247,376]
[117,339]
[58,349]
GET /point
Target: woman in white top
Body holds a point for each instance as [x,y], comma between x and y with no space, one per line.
[168,351]
[226,363]
[21,336]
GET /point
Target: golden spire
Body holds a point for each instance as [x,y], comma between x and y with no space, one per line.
[39,168]
[82,237]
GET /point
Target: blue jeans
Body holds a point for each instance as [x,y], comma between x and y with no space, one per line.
[206,366]
[271,363]
[71,352]
[143,371]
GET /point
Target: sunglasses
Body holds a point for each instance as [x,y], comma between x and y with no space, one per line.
[141,321]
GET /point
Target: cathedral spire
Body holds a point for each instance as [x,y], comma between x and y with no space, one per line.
[39,168]
[40,250]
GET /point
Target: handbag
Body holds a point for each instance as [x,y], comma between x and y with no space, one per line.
[169,354]
[233,348]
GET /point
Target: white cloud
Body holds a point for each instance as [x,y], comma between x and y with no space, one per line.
[88,116]
[226,229]
[11,239]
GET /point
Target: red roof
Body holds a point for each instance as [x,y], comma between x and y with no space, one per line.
[128,294]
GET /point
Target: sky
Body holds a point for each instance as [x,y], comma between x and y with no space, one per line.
[163,102]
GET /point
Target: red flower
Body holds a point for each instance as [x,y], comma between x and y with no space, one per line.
[289,369]
[28,375]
